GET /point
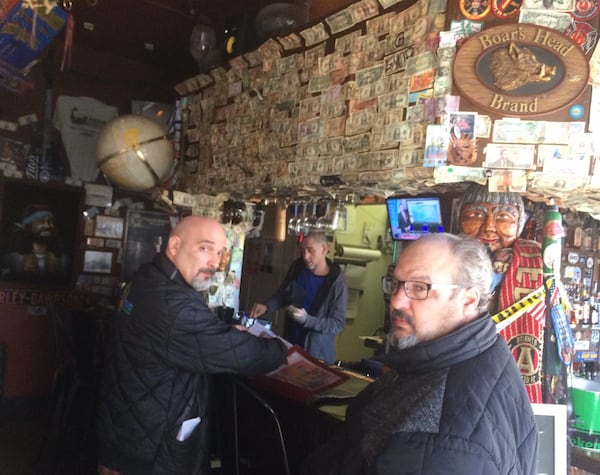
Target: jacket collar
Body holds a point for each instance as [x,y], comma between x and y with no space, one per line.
[162,262]
[460,345]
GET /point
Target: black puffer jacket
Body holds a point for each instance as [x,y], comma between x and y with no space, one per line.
[453,406]
[163,346]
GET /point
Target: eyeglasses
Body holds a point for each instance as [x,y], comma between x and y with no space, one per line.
[413,289]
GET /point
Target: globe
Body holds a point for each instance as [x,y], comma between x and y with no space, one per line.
[134,152]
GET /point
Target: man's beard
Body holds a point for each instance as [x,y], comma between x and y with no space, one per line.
[401,342]
[44,236]
[201,285]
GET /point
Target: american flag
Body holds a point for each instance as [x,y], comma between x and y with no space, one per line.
[560,320]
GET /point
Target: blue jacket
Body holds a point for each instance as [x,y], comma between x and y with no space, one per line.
[454,406]
[327,315]
[163,347]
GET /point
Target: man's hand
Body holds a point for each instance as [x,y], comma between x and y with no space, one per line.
[298,314]
[257,310]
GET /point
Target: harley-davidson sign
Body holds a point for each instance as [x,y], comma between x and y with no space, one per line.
[520,70]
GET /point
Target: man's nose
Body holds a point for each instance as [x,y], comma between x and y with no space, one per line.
[214,259]
[399,299]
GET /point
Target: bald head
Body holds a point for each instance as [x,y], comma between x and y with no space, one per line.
[191,224]
[195,247]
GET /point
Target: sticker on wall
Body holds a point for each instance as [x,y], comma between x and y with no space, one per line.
[585,10]
[584,34]
[504,9]
[576,111]
[474,9]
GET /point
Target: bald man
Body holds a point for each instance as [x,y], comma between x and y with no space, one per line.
[164,345]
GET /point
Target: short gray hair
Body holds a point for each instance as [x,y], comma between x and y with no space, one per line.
[474,266]
[318,236]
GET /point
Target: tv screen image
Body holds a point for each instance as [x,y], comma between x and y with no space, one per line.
[410,218]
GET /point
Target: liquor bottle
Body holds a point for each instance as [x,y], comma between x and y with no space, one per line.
[552,237]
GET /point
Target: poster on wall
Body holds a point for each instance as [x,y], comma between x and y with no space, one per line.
[39,233]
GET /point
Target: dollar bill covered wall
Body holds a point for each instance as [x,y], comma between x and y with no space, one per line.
[364,102]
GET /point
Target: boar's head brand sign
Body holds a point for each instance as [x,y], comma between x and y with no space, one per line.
[520,70]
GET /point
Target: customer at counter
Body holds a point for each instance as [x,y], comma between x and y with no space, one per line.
[315,294]
[452,400]
[164,344]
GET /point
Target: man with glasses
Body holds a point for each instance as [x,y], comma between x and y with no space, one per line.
[452,400]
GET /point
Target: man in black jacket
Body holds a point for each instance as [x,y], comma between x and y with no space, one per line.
[164,345]
[453,401]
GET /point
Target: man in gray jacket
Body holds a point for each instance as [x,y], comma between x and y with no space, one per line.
[452,400]
[315,294]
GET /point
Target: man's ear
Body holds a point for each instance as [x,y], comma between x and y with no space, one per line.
[471,302]
[173,245]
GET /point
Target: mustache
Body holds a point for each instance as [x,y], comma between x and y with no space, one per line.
[206,270]
[402,315]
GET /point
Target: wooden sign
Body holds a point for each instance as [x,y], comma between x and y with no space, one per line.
[520,70]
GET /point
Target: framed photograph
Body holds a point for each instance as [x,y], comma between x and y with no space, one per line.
[551,420]
[109,227]
[40,229]
[97,262]
[94,242]
[98,195]
[147,233]
[113,243]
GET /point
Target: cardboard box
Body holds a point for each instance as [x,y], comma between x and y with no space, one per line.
[22,40]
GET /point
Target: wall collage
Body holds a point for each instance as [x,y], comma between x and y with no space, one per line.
[379,97]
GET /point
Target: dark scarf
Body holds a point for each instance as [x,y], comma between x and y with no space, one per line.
[392,403]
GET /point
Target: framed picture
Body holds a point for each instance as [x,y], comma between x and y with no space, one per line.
[551,420]
[40,229]
[94,242]
[97,262]
[109,227]
[147,233]
[113,243]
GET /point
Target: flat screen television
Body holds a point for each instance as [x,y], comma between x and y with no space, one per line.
[411,217]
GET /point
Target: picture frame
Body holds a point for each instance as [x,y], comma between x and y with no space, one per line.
[551,420]
[94,242]
[97,262]
[113,243]
[28,208]
[147,233]
[109,227]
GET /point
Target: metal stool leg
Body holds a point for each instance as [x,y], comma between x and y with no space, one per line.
[269,409]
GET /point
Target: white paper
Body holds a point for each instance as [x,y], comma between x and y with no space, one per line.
[187,427]
[260,330]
